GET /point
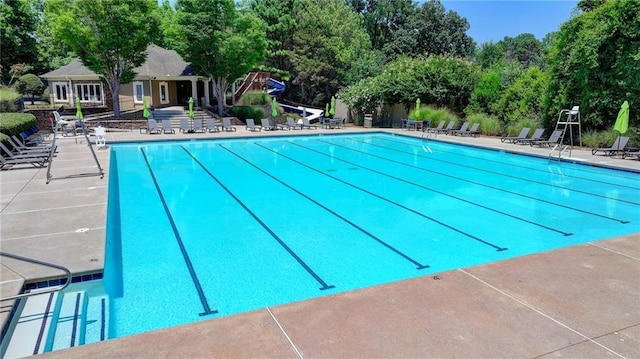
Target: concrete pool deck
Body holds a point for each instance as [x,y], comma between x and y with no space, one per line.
[581,301]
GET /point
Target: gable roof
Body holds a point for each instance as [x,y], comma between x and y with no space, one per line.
[160,63]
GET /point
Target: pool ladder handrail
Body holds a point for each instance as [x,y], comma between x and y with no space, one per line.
[560,150]
[46,264]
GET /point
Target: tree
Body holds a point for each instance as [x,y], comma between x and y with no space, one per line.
[441,32]
[219,41]
[109,36]
[31,85]
[524,48]
[18,23]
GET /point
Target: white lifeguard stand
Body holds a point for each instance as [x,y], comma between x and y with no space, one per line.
[567,120]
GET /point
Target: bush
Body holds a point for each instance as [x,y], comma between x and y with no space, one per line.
[256,98]
[515,128]
[15,123]
[439,114]
[31,85]
[8,100]
[245,112]
[489,125]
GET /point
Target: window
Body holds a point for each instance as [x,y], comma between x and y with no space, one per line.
[164,93]
[91,92]
[138,91]
[60,91]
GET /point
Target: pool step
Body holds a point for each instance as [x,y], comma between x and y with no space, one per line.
[55,321]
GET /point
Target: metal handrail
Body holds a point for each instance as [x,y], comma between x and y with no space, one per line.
[35,261]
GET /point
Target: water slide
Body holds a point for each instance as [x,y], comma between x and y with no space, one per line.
[312,113]
[275,87]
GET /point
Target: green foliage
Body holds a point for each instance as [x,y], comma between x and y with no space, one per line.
[436,115]
[523,99]
[514,128]
[489,54]
[219,41]
[489,125]
[18,22]
[486,93]
[594,62]
[8,99]
[31,85]
[256,98]
[440,32]
[14,123]
[245,112]
[422,114]
[109,36]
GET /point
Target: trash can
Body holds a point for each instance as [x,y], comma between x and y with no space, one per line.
[368,121]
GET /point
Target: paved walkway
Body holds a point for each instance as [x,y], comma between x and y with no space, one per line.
[581,301]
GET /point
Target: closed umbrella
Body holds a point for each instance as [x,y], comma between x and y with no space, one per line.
[79,115]
[622,122]
[332,110]
[145,109]
[274,108]
[417,105]
[326,110]
[191,107]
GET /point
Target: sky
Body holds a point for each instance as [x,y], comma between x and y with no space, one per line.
[492,20]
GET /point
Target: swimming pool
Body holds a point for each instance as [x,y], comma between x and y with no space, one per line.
[203,229]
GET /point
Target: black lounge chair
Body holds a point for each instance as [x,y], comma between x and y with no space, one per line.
[537,136]
[251,125]
[618,146]
[522,135]
[552,140]
[473,131]
[462,128]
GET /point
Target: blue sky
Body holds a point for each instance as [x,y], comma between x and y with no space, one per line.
[492,20]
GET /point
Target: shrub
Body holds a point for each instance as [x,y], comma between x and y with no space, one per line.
[592,139]
[31,85]
[256,98]
[514,128]
[489,125]
[8,100]
[14,123]
[245,112]
[439,114]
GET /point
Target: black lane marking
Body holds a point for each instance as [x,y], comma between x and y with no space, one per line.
[103,316]
[264,225]
[385,244]
[503,174]
[74,329]
[439,192]
[520,166]
[43,325]
[487,186]
[185,255]
[498,248]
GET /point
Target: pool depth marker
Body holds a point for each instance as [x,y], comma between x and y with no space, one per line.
[385,244]
[497,248]
[264,225]
[185,255]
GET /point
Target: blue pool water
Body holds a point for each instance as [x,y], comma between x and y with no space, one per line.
[204,229]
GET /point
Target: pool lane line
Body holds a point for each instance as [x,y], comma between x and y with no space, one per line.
[525,167]
[556,230]
[192,272]
[497,248]
[504,175]
[482,184]
[385,244]
[293,254]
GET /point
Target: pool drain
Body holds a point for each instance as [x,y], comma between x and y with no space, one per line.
[82,230]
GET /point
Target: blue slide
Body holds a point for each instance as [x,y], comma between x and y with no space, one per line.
[276,87]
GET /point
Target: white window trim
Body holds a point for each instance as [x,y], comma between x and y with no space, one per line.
[54,91]
[94,99]
[166,100]
[136,99]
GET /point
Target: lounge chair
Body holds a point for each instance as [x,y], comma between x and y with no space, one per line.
[462,128]
[306,124]
[197,125]
[152,127]
[552,140]
[292,125]
[537,136]
[448,128]
[473,131]
[522,135]
[19,145]
[618,146]
[436,129]
[24,154]
[251,125]
[101,137]
[165,126]
[40,161]
[325,122]
[184,126]
[266,125]
[226,124]
[212,126]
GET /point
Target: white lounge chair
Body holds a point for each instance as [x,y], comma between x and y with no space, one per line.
[101,135]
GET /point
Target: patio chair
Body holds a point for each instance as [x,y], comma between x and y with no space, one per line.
[226,124]
[212,126]
[448,128]
[522,135]
[197,125]
[152,127]
[307,124]
[165,126]
[291,124]
[24,154]
[266,125]
[324,122]
[552,140]
[462,128]
[618,146]
[40,161]
[473,131]
[435,129]
[537,136]
[251,125]
[18,145]
[184,126]
[101,137]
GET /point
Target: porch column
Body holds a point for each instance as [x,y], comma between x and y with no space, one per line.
[194,90]
[206,92]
